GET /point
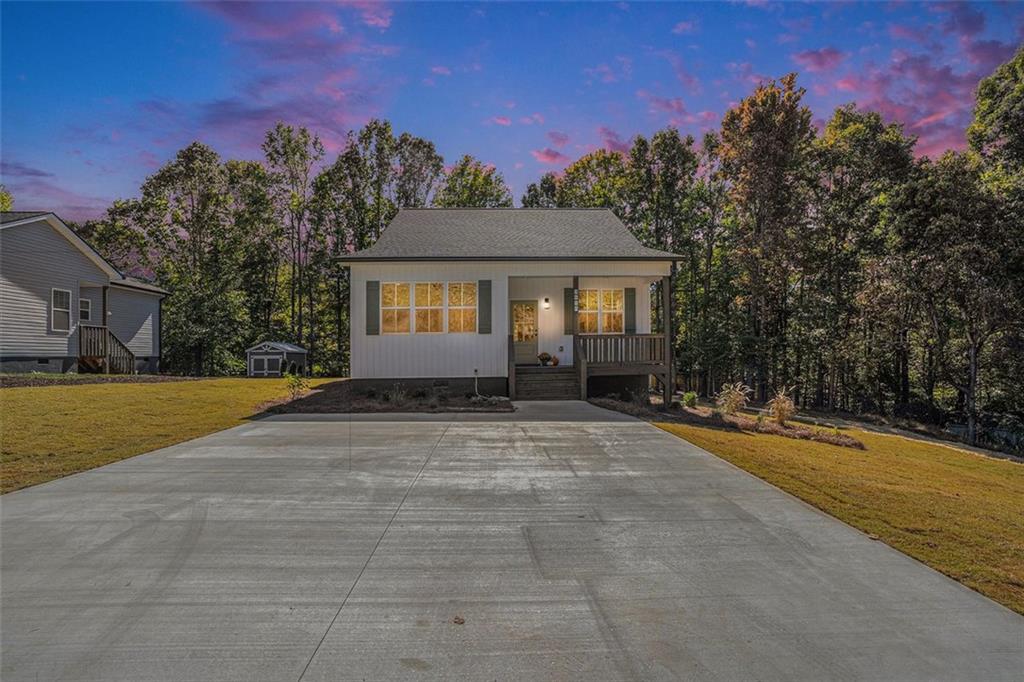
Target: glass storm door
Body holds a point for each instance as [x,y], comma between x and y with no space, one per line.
[524,331]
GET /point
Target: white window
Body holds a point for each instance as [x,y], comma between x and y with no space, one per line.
[461,307]
[395,307]
[429,307]
[60,310]
[602,311]
[84,310]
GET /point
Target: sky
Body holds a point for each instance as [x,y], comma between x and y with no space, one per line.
[96,97]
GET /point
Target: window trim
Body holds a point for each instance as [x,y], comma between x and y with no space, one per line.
[54,308]
[413,306]
[449,306]
[600,311]
[410,308]
[88,310]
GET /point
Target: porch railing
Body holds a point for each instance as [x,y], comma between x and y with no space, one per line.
[633,349]
[100,343]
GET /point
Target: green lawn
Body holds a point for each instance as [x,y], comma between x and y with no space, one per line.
[956,511]
[52,431]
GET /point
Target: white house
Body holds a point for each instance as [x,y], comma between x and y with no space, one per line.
[453,296]
[64,308]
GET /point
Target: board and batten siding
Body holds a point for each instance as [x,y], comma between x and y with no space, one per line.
[409,356]
[135,319]
[35,258]
[551,322]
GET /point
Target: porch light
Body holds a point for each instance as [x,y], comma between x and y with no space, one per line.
[547,303]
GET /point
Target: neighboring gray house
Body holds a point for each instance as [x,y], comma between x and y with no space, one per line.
[471,297]
[275,358]
[63,308]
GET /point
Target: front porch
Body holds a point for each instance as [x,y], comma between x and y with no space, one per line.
[593,328]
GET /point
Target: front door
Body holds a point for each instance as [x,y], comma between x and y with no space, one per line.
[524,331]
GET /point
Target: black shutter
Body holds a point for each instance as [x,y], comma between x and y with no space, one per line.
[567,311]
[630,310]
[372,308]
[483,306]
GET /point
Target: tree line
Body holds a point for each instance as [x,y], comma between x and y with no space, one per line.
[833,262]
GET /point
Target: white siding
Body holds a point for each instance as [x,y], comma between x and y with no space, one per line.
[457,355]
[33,259]
[135,319]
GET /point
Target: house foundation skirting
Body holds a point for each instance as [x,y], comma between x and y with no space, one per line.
[53,364]
[454,385]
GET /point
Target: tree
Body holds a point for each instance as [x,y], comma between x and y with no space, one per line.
[596,180]
[765,151]
[966,260]
[119,238]
[292,154]
[541,194]
[472,184]
[420,168]
[997,132]
[184,211]
[6,200]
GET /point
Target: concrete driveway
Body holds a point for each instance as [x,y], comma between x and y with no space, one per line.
[514,548]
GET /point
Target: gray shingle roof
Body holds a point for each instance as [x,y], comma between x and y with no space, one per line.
[15,216]
[507,234]
[279,345]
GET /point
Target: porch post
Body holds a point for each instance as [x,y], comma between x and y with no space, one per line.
[666,317]
[577,347]
[106,334]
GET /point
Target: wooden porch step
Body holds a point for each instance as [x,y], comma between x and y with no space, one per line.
[547,383]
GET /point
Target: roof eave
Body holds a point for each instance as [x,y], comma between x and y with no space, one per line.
[668,258]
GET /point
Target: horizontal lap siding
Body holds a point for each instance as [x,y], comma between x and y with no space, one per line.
[134,318]
[387,356]
[33,259]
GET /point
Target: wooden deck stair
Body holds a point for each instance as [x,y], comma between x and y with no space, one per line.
[547,383]
[99,350]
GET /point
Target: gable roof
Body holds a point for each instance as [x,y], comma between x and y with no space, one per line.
[277,345]
[428,234]
[16,218]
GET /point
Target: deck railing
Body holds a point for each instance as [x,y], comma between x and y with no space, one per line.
[632,349]
[100,343]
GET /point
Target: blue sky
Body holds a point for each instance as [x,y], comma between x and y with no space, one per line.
[96,96]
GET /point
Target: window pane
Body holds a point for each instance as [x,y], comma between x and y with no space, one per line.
[422,294]
[469,319]
[402,295]
[611,299]
[387,297]
[402,318]
[388,321]
[61,320]
[588,323]
[588,299]
[436,294]
[469,294]
[422,321]
[62,300]
[436,320]
[612,323]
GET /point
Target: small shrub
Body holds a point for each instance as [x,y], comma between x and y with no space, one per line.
[419,393]
[297,385]
[733,397]
[781,407]
[544,358]
[398,395]
[690,399]
[639,399]
[371,393]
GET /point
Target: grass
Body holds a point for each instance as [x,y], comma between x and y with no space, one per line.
[955,511]
[52,431]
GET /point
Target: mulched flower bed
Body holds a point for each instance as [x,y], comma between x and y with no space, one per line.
[706,417]
[47,379]
[339,397]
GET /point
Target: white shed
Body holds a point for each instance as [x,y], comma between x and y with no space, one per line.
[276,358]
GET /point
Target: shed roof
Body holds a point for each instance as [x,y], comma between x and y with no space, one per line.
[277,345]
[427,234]
[14,216]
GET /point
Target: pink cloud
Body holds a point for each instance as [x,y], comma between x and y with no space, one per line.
[601,72]
[825,59]
[621,69]
[531,119]
[441,70]
[684,27]
[550,156]
[612,141]
[557,138]
[500,120]
[674,105]
[961,19]
[372,13]
[685,78]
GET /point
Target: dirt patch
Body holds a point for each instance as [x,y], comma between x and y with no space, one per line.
[339,397]
[46,379]
[713,419]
